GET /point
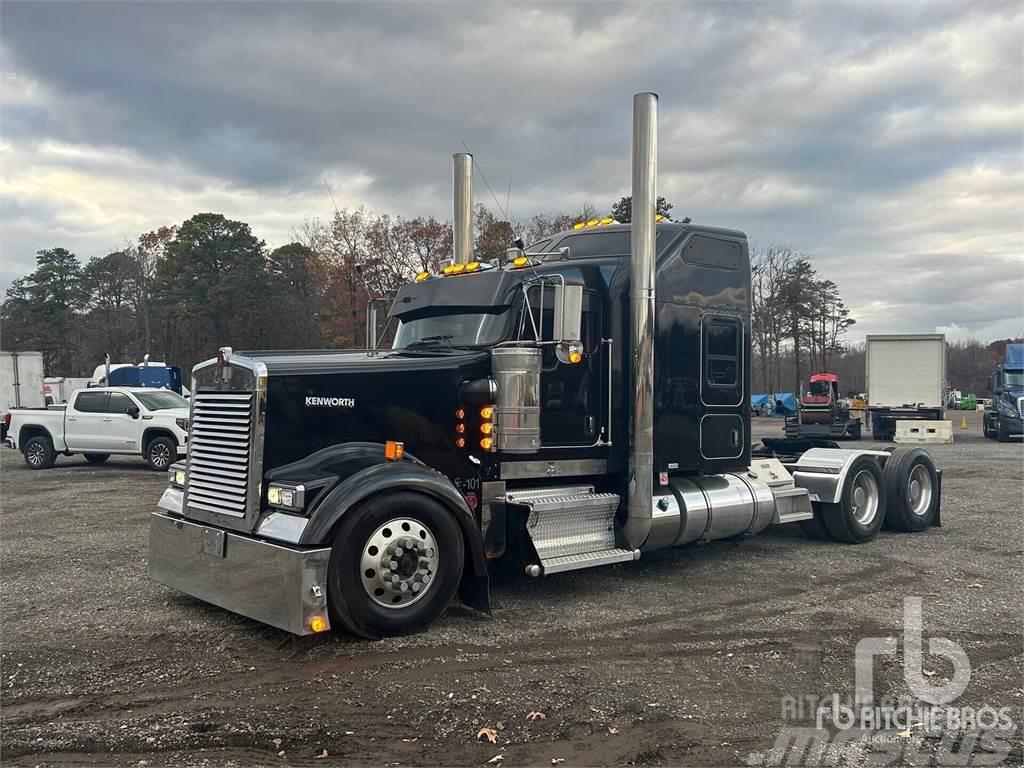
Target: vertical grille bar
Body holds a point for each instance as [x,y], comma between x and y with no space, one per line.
[220,441]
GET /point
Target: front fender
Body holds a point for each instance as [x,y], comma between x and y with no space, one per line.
[408,476]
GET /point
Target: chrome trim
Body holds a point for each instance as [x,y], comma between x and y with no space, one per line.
[300,496]
[641,305]
[280,586]
[171,500]
[282,526]
[462,230]
[526,470]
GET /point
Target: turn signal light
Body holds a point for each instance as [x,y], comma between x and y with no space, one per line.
[575,356]
[486,427]
[487,412]
[393,450]
[486,443]
[318,623]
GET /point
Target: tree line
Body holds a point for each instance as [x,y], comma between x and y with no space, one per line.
[179,292]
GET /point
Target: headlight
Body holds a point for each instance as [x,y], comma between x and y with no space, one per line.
[286,496]
[182,424]
[176,476]
[1006,409]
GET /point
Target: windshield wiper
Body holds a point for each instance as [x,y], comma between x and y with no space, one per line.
[425,341]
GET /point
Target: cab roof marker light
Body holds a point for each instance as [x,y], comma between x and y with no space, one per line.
[422,276]
[579,225]
[593,223]
[607,220]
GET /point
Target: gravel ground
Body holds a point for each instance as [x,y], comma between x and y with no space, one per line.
[683,658]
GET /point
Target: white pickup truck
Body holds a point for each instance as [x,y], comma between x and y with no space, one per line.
[98,422]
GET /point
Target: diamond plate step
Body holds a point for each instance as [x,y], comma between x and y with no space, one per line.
[601,557]
[571,527]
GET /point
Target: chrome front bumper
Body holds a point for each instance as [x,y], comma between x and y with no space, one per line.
[277,585]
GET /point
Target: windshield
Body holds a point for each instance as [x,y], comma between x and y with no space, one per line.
[160,399]
[1013,378]
[462,329]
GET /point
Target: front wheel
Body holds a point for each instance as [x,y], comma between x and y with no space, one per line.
[858,516]
[160,453]
[395,565]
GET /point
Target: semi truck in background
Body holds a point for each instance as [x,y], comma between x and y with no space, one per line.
[575,404]
[1003,415]
[21,384]
[906,379]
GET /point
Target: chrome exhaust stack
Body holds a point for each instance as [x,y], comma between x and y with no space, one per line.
[639,510]
[463,224]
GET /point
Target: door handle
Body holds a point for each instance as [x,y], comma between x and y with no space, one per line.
[734,435]
[72,418]
[107,418]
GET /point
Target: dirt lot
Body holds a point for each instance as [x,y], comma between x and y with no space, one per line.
[683,658]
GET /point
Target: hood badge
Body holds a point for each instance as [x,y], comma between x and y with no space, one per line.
[313,401]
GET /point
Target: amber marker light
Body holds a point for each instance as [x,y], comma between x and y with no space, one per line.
[473,266]
[318,623]
[487,412]
[460,442]
[422,276]
[520,261]
[579,225]
[487,427]
[393,450]
[486,443]
[460,414]
[575,356]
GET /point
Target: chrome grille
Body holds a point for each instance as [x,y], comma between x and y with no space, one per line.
[220,438]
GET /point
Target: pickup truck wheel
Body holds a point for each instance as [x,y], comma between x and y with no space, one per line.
[160,453]
[96,458]
[39,453]
[911,485]
[858,516]
[395,565]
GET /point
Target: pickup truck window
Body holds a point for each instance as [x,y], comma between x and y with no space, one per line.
[91,402]
[118,403]
[161,399]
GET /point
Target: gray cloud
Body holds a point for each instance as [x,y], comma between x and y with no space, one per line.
[862,134]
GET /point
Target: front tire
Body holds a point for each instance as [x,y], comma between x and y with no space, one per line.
[395,565]
[858,516]
[39,453]
[96,458]
[160,453]
[911,489]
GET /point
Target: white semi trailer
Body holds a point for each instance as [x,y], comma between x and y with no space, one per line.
[21,384]
[906,379]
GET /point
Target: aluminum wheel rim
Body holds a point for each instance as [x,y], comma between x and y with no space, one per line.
[35,454]
[399,563]
[920,490]
[160,455]
[864,497]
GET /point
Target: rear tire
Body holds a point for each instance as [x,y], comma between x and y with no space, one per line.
[911,489]
[858,516]
[161,453]
[371,596]
[96,458]
[39,453]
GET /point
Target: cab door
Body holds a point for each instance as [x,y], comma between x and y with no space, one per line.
[120,432]
[83,421]
[571,394]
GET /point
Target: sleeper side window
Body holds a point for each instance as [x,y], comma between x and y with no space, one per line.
[721,352]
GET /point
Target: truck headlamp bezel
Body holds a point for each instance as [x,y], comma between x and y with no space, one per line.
[177,476]
[182,424]
[286,496]
[1007,409]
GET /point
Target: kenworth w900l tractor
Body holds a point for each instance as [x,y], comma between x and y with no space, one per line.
[577,404]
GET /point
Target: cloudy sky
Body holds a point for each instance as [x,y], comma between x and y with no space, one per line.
[887,140]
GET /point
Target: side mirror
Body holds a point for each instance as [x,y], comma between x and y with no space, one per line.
[568,318]
[133,411]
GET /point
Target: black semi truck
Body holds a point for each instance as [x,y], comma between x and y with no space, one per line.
[577,404]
